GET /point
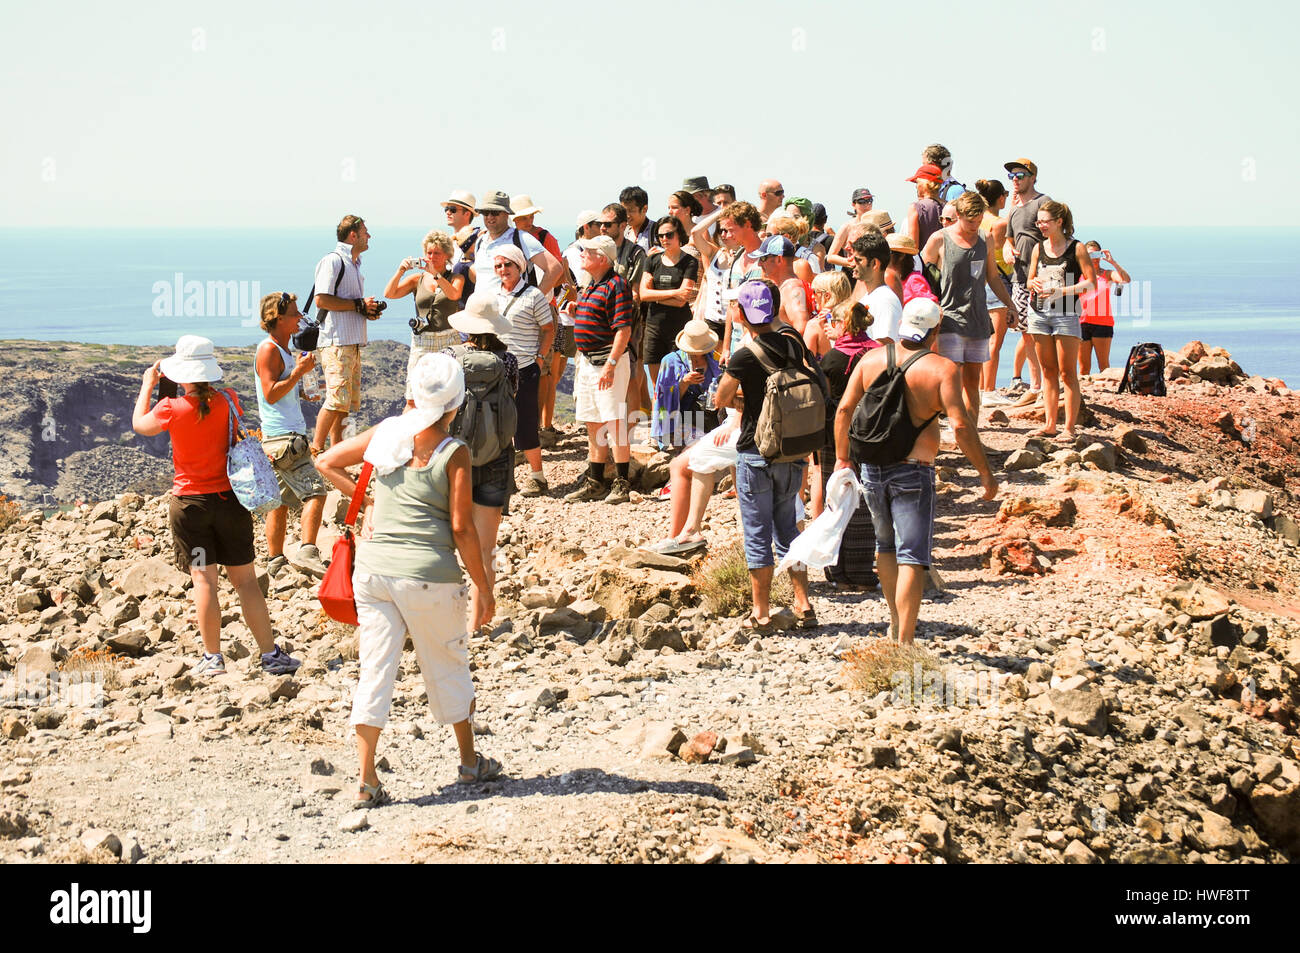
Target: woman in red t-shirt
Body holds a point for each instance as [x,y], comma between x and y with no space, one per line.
[1097,320]
[210,527]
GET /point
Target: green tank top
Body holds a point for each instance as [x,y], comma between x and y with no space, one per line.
[412,523]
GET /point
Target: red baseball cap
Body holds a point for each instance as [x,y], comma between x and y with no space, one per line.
[929,172]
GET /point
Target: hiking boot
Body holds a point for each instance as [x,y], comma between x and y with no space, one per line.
[590,490]
[308,559]
[279,662]
[535,485]
[210,665]
[618,491]
[276,564]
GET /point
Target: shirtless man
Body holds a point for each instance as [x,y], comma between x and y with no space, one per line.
[771,196]
[776,257]
[901,495]
[966,266]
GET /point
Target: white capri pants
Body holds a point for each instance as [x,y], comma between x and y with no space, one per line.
[435,614]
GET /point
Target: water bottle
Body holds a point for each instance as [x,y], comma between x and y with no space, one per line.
[311,383]
[710,399]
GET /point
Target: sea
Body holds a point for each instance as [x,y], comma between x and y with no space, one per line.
[1238,288]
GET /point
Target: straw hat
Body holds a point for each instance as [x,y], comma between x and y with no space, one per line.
[481,317]
[193,362]
[880,219]
[460,197]
[903,243]
[524,205]
[697,338]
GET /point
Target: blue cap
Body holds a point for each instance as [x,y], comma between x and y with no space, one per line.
[755,299]
[775,245]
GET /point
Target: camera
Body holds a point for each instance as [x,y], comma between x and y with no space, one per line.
[420,324]
[380,306]
[305,338]
[166,388]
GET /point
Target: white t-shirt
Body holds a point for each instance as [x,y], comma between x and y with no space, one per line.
[886,311]
[485,276]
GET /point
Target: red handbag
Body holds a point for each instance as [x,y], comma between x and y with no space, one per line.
[335,593]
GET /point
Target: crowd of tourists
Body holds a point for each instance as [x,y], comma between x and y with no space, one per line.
[749,339]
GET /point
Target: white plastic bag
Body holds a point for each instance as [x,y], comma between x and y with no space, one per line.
[818,546]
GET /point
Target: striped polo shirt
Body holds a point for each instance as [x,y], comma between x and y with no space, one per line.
[603,308]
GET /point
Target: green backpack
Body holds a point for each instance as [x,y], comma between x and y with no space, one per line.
[487,419]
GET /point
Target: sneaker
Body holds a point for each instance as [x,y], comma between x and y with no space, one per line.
[590,490]
[210,665]
[618,491]
[994,399]
[1016,386]
[1026,399]
[535,485]
[279,662]
[275,565]
[308,559]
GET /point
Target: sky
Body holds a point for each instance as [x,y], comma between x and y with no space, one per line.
[241,114]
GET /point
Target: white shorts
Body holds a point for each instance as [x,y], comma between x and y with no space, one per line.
[435,615]
[706,457]
[962,350]
[593,405]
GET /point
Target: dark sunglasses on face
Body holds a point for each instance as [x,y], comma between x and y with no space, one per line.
[867,201]
[491,214]
[607,224]
[1017,176]
[664,236]
[780,192]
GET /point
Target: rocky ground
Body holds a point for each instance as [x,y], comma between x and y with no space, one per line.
[1110,675]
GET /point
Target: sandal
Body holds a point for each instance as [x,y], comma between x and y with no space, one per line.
[808,620]
[682,547]
[375,796]
[485,769]
[1064,437]
[751,624]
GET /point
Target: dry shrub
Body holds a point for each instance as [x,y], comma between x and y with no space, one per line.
[95,662]
[872,668]
[9,513]
[722,579]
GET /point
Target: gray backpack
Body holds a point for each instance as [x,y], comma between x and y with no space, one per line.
[792,422]
[488,417]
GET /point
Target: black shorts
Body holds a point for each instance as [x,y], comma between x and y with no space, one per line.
[526,437]
[210,529]
[661,332]
[494,482]
[1090,331]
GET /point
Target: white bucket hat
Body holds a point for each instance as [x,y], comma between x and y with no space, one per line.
[524,205]
[193,361]
[697,338]
[481,317]
[437,386]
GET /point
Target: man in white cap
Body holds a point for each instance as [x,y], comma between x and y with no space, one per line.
[900,492]
[603,327]
[497,230]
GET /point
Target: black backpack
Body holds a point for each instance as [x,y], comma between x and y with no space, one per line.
[1145,371]
[882,432]
[306,337]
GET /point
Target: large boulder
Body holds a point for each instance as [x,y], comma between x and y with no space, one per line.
[627,593]
[152,578]
[1196,599]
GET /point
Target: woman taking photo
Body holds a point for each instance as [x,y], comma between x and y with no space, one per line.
[438,289]
[406,579]
[1060,271]
[210,527]
[667,288]
[1098,320]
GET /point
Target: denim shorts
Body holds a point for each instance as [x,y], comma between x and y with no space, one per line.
[493,482]
[901,499]
[1057,325]
[766,493]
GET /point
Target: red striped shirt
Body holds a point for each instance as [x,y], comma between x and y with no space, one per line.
[603,308]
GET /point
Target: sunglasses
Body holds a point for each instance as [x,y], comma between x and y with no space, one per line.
[283,303]
[664,236]
[780,192]
[1017,176]
[491,214]
[607,224]
[867,201]
[947,219]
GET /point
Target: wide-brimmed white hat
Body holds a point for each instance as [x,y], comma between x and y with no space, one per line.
[524,205]
[481,317]
[697,338]
[460,197]
[437,385]
[193,362]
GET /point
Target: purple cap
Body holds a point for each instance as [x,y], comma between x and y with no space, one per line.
[755,299]
[775,245]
